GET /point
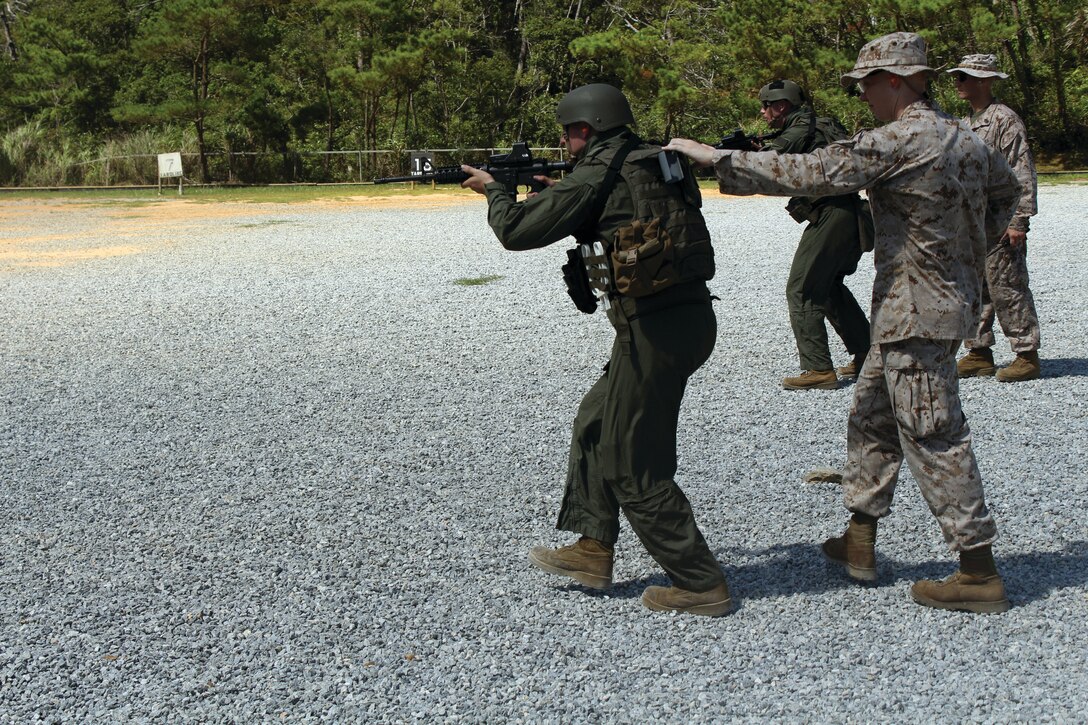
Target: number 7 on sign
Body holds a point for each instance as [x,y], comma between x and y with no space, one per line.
[169,167]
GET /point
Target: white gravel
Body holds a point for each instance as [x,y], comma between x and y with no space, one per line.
[279,466]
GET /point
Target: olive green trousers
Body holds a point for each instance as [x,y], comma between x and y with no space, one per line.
[829,251]
[623,447]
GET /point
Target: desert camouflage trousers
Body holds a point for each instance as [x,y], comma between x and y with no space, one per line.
[907,406]
[1006,295]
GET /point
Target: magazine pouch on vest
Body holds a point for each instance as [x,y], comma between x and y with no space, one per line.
[642,259]
[668,241]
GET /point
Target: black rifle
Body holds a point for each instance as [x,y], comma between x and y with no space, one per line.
[513,170]
[740,141]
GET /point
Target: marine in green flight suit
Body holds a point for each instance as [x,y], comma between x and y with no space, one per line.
[623,446]
[828,252]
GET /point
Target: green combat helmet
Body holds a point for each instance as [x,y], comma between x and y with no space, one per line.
[600,105]
[782,91]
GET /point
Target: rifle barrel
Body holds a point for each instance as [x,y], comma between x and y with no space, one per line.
[443,175]
[454,174]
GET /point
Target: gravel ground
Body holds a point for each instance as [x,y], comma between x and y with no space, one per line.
[270,462]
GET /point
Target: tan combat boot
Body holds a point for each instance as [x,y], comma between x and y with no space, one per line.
[713,603]
[976,587]
[812,380]
[587,561]
[976,363]
[1025,367]
[851,369]
[855,549]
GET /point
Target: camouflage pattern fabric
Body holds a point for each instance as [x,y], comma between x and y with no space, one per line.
[1000,127]
[907,406]
[1006,294]
[937,195]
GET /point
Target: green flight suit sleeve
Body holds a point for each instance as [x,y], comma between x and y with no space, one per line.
[544,219]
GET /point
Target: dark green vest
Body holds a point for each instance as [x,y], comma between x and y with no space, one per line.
[642,203]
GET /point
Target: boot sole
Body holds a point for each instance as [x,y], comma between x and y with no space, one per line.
[976,607]
[593,581]
[1020,379]
[712,609]
[855,572]
[983,373]
[821,386]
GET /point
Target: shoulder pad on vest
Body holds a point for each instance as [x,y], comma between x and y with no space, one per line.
[646,152]
[831,129]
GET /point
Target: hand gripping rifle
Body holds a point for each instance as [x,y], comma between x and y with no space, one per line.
[513,170]
[740,141]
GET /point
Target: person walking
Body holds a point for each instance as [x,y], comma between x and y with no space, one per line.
[1005,292]
[937,192]
[647,246]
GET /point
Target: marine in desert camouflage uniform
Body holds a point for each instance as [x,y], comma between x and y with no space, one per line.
[937,194]
[1005,292]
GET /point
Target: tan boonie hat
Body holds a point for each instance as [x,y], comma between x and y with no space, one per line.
[979,65]
[901,53]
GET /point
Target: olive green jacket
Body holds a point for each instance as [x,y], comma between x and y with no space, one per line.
[562,209]
[791,140]
[794,139]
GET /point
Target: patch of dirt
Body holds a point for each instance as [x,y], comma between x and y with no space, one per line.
[55,232]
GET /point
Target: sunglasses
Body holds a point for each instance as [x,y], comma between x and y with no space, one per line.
[868,82]
[767,104]
[960,77]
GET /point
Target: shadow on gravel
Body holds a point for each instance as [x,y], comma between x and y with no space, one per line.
[791,569]
[783,570]
[1028,577]
[629,589]
[1064,367]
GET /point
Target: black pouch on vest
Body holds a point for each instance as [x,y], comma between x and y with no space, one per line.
[575,273]
[577,281]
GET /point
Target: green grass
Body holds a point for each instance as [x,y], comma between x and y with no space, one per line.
[279,194]
[474,281]
[1076,177]
[302,193]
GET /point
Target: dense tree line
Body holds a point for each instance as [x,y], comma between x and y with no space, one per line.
[84,79]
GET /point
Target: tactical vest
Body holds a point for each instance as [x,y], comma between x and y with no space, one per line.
[821,131]
[667,242]
[827,129]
